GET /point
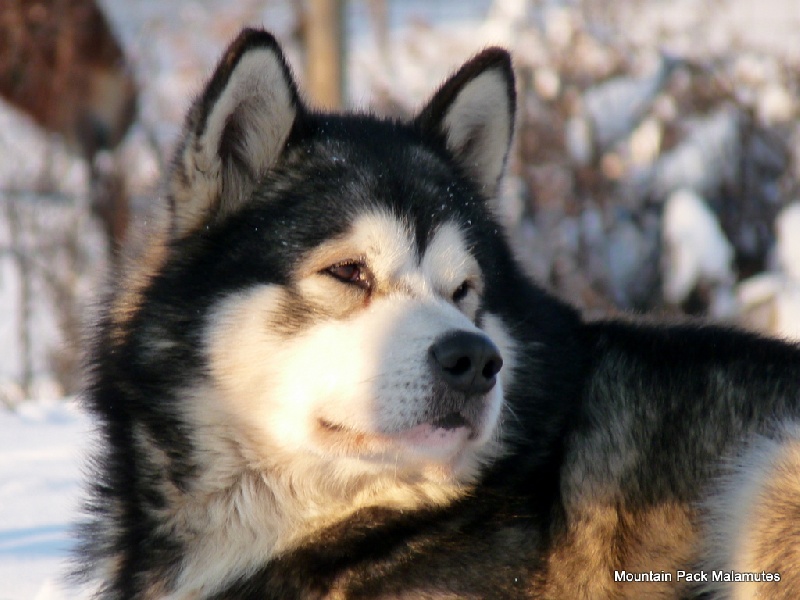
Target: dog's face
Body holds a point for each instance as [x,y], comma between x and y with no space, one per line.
[371,351]
[339,266]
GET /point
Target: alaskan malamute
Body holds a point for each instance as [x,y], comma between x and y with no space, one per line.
[327,377]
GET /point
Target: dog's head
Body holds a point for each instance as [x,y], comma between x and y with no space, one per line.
[336,266]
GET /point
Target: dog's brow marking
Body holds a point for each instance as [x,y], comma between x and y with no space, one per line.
[379,238]
[447,264]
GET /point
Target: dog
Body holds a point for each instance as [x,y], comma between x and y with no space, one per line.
[327,376]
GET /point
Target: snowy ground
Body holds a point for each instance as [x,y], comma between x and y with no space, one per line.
[41,452]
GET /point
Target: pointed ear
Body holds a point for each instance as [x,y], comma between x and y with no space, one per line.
[234,132]
[473,113]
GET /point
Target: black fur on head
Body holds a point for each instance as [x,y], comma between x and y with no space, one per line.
[251,111]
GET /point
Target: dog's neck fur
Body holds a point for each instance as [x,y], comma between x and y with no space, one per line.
[250,513]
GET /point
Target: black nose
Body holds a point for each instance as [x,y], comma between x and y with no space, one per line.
[466,361]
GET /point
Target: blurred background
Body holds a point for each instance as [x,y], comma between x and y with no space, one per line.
[655,165]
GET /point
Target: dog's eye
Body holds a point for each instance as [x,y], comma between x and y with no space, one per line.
[461,291]
[351,272]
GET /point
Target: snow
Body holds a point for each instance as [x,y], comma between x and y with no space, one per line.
[42,447]
[771,300]
[787,225]
[696,247]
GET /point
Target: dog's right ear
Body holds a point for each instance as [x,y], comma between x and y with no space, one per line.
[473,114]
[234,132]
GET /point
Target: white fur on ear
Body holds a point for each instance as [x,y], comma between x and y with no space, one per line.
[235,131]
[473,114]
[259,100]
[478,127]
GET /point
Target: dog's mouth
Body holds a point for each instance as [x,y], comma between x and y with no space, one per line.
[441,435]
[453,420]
[448,422]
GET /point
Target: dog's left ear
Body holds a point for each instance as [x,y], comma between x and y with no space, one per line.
[473,113]
[235,132]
